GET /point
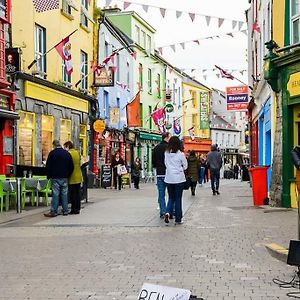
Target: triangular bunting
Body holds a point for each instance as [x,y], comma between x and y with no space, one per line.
[220,22]
[182,45]
[126,5]
[113,69]
[234,23]
[163,12]
[145,7]
[178,14]
[207,18]
[240,25]
[196,41]
[244,31]
[108,2]
[204,77]
[218,75]
[173,48]
[192,16]
[134,55]
[160,50]
[230,34]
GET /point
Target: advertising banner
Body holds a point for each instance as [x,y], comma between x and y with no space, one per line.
[204,110]
[237,98]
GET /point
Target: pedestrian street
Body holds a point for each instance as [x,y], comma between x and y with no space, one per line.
[118,242]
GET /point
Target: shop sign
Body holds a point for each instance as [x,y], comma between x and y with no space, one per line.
[104,77]
[169,108]
[294,84]
[106,176]
[204,110]
[114,115]
[12,60]
[237,98]
[148,136]
[131,136]
[99,125]
[4,102]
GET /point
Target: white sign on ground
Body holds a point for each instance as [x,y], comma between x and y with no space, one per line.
[158,292]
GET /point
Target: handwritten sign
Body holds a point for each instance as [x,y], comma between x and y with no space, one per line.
[106,176]
[158,292]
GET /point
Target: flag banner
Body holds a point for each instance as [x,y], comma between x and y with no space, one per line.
[237,98]
[191,132]
[162,11]
[145,7]
[173,48]
[126,4]
[192,16]
[133,112]
[177,127]
[178,14]
[64,50]
[234,23]
[204,110]
[220,22]
[207,18]
[134,54]
[182,45]
[45,5]
[196,41]
[159,119]
[240,25]
[230,34]
[224,74]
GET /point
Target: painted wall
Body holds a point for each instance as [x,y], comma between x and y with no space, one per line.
[278,25]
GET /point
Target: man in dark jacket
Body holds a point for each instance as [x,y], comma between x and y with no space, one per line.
[158,161]
[59,167]
[214,162]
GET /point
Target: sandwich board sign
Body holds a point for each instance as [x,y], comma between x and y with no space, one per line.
[158,292]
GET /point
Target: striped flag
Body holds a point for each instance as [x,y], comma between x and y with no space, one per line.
[44,5]
[225,74]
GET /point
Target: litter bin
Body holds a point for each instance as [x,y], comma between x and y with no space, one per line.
[259,184]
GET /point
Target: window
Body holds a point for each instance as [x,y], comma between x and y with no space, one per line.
[217,138]
[40,48]
[295,19]
[106,50]
[194,97]
[65,76]
[141,114]
[158,86]
[223,137]
[194,120]
[141,79]
[118,71]
[143,41]
[234,140]
[106,105]
[149,44]
[83,70]
[179,96]
[66,8]
[65,130]
[149,81]
[137,34]
[83,17]
[47,135]
[150,119]
[174,93]
[128,75]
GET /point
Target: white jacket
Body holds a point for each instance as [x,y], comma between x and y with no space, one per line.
[175,163]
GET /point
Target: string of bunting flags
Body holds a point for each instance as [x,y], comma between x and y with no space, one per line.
[179,13]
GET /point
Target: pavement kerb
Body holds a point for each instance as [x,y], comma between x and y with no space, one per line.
[277,251]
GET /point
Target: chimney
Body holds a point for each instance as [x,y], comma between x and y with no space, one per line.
[111,9]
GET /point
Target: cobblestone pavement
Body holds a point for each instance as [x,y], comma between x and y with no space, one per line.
[118,242]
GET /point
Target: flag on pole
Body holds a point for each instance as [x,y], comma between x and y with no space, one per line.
[133,112]
[44,5]
[224,74]
[159,119]
[176,127]
[64,50]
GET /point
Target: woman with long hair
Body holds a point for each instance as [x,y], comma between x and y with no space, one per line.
[193,171]
[176,164]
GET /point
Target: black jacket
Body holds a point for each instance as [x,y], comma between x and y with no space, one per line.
[296,157]
[158,158]
[214,159]
[59,164]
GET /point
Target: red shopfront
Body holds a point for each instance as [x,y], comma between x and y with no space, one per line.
[254,143]
[200,146]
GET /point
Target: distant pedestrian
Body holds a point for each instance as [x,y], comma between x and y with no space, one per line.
[193,171]
[158,161]
[136,172]
[59,167]
[75,179]
[202,166]
[116,165]
[236,171]
[214,162]
[176,164]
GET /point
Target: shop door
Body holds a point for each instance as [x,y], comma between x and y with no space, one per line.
[268,156]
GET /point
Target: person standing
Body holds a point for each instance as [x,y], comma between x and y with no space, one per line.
[116,164]
[202,171]
[214,162]
[59,167]
[158,161]
[176,164]
[74,180]
[193,171]
[136,172]
[236,170]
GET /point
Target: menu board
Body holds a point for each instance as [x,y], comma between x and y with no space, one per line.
[106,176]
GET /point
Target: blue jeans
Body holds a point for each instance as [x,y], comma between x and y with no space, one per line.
[59,192]
[175,197]
[215,179]
[202,175]
[161,187]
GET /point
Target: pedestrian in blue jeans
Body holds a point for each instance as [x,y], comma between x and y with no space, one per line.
[158,161]
[59,166]
[176,164]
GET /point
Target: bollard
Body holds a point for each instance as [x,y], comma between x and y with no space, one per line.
[19,194]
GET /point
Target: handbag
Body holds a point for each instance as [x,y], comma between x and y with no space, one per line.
[121,170]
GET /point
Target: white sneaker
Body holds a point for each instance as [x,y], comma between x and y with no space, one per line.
[179,223]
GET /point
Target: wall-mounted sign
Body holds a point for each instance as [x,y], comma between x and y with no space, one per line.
[131,136]
[99,125]
[204,110]
[169,107]
[114,115]
[293,85]
[12,60]
[104,77]
[237,98]
[4,102]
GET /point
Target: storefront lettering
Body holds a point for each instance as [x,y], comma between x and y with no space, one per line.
[293,85]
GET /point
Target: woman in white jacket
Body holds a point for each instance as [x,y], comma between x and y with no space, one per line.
[176,164]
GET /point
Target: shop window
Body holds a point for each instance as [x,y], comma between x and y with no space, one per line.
[40,50]
[83,70]
[26,138]
[82,140]
[65,130]
[47,135]
[295,20]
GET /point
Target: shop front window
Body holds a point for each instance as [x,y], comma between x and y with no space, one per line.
[82,140]
[65,130]
[47,136]
[26,138]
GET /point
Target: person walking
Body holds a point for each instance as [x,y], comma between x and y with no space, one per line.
[74,180]
[193,171]
[202,171]
[214,162]
[158,162]
[136,172]
[236,171]
[59,167]
[116,164]
[176,164]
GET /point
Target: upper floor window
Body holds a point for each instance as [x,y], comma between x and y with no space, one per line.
[149,43]
[158,86]
[4,10]
[137,34]
[83,15]
[84,70]
[141,79]
[295,20]
[118,71]
[66,7]
[65,76]
[149,81]
[40,48]
[143,41]
[128,75]
[194,98]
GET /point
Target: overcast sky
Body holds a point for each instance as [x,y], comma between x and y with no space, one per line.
[226,52]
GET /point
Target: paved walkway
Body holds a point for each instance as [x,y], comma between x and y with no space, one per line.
[118,242]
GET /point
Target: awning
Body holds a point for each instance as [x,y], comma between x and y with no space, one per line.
[9,114]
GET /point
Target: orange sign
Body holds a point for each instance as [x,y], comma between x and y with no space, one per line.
[99,125]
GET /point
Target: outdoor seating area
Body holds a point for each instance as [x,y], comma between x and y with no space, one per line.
[35,191]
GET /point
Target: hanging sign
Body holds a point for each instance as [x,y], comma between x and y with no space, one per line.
[104,77]
[99,125]
[204,110]
[12,60]
[237,98]
[169,107]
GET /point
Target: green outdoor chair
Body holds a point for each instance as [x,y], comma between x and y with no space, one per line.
[3,194]
[46,192]
[25,191]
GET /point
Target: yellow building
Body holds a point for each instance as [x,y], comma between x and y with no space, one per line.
[196,115]
[52,103]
